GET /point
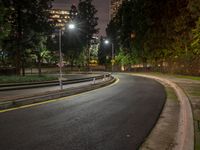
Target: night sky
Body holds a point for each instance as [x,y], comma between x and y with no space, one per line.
[101,5]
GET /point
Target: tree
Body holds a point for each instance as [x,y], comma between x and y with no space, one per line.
[87,22]
[124,60]
[27,18]
[156,32]
[4,31]
[72,46]
[40,50]
[4,24]
[196,39]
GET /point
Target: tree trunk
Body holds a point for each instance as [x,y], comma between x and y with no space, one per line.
[71,64]
[23,67]
[39,65]
[88,58]
[144,64]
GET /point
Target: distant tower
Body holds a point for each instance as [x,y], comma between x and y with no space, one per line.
[114,6]
[59,17]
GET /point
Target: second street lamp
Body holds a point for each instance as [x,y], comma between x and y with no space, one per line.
[112,55]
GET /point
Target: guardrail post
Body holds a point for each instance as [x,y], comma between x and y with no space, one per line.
[104,77]
[94,80]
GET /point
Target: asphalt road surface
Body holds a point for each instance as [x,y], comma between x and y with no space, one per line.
[117,117]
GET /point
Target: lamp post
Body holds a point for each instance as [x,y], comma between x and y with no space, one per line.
[112,55]
[71,26]
[60,59]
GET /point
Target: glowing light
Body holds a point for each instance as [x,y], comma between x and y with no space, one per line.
[71,26]
[106,42]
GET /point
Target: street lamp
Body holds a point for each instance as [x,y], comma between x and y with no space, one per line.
[113,55]
[106,42]
[71,26]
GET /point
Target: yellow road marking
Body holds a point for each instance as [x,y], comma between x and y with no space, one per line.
[54,100]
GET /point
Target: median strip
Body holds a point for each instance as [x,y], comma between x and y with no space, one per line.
[54,95]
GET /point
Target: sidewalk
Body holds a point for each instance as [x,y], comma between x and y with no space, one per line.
[192,90]
[162,136]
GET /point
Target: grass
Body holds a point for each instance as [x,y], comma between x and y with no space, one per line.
[197,137]
[195,92]
[197,147]
[197,78]
[28,78]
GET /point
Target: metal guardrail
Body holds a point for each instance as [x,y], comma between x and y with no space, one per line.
[6,87]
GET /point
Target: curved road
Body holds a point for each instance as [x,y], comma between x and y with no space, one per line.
[117,117]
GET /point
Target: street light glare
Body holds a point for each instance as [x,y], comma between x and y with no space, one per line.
[106,42]
[71,26]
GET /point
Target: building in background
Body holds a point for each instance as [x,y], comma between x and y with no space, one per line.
[60,17]
[115,4]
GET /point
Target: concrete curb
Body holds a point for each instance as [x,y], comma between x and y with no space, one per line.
[185,133]
[53,95]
